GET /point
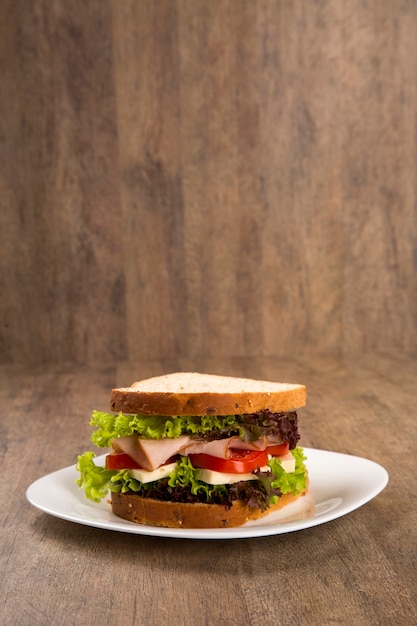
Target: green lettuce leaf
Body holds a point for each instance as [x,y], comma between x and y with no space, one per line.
[93,479]
[186,476]
[289,482]
[110,425]
[97,481]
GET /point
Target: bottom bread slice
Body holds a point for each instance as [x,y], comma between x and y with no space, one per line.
[185,515]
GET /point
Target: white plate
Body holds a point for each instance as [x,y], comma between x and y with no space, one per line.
[339,484]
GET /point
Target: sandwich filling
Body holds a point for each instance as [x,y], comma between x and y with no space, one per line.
[206,459]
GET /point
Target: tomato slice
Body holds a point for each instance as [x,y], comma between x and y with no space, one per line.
[241,462]
[280,449]
[120,460]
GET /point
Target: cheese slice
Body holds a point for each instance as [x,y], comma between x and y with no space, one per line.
[225,478]
[146,476]
[288,462]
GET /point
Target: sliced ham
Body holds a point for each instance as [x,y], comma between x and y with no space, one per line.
[222,448]
[218,447]
[151,453]
[259,444]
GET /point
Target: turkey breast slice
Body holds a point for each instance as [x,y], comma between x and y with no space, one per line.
[151,453]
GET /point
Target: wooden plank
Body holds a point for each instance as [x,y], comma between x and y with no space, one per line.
[181,179]
[378,143]
[146,67]
[60,257]
[301,162]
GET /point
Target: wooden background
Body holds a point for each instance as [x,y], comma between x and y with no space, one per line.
[207,177]
[230,186]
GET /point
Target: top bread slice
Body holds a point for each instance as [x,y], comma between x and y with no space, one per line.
[191,393]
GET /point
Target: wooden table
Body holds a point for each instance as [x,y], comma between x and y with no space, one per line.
[358,569]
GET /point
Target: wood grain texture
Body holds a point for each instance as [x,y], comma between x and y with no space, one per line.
[60,190]
[146,64]
[378,180]
[359,569]
[184,178]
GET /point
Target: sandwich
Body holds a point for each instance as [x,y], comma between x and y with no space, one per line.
[191,450]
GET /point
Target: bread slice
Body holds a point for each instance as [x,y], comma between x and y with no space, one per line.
[187,515]
[191,393]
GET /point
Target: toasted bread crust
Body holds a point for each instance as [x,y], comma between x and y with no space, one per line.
[203,394]
[180,515]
